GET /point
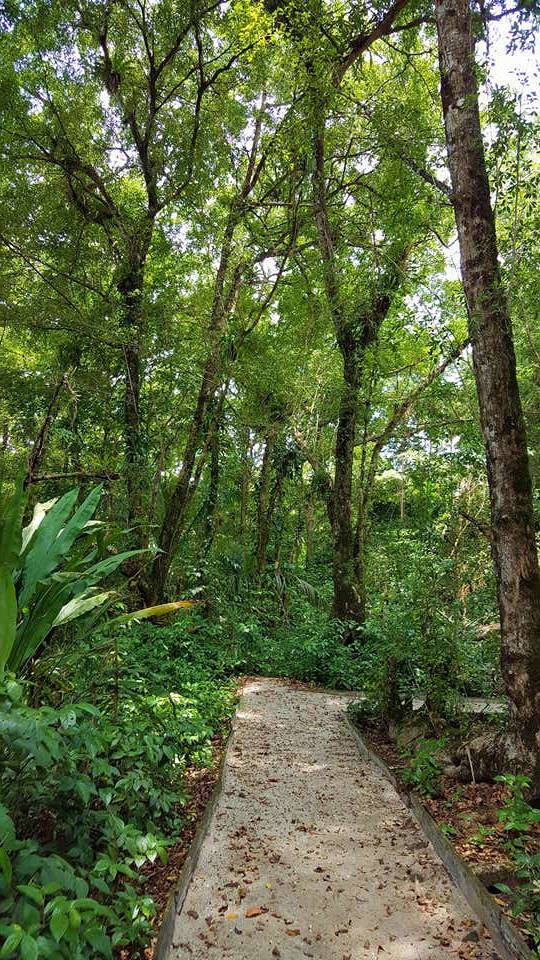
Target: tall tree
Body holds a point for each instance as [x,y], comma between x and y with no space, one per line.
[236,271]
[512,520]
[112,107]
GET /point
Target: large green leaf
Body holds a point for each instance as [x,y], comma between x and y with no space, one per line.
[80,605]
[35,628]
[11,528]
[8,615]
[42,557]
[66,538]
[40,510]
[105,567]
[55,537]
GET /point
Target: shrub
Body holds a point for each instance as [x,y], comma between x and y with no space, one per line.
[424,769]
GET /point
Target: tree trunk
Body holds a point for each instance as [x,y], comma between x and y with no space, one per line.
[309,528]
[38,450]
[513,542]
[130,287]
[359,552]
[213,491]
[347,604]
[357,327]
[245,478]
[226,289]
[176,511]
[180,499]
[263,504]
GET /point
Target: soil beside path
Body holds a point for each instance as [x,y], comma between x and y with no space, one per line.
[311,853]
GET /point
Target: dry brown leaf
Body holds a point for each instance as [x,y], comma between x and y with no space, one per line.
[255,912]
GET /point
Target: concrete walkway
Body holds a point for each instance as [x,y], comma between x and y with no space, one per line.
[311,853]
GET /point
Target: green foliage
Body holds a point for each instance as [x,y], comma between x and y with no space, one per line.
[166,318]
[311,650]
[103,786]
[43,583]
[448,830]
[364,712]
[418,626]
[519,817]
[307,647]
[424,769]
[516,814]
[525,899]
[481,836]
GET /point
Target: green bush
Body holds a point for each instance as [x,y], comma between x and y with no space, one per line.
[516,814]
[424,768]
[92,793]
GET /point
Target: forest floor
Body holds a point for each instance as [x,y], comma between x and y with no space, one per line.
[469,814]
[311,853]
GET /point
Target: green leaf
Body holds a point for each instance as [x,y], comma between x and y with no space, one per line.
[99,941]
[104,568]
[28,948]
[11,528]
[8,615]
[5,867]
[55,537]
[34,893]
[81,605]
[28,532]
[12,942]
[101,885]
[85,789]
[36,627]
[46,551]
[66,538]
[58,923]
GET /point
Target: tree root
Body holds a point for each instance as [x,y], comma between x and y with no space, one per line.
[487,756]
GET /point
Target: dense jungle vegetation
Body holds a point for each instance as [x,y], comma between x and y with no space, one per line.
[269,298]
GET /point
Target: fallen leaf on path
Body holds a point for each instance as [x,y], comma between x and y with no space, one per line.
[255,911]
[231,916]
[293,933]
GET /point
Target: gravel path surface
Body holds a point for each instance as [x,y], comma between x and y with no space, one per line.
[311,853]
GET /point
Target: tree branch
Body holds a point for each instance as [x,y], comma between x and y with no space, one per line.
[363,41]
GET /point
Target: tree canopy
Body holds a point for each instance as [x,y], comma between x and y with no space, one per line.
[268,301]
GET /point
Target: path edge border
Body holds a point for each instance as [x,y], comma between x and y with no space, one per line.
[178,894]
[506,939]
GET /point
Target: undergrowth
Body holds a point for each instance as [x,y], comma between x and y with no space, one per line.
[94,789]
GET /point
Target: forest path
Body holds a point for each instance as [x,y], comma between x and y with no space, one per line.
[311,853]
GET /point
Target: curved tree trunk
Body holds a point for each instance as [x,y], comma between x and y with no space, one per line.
[513,541]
